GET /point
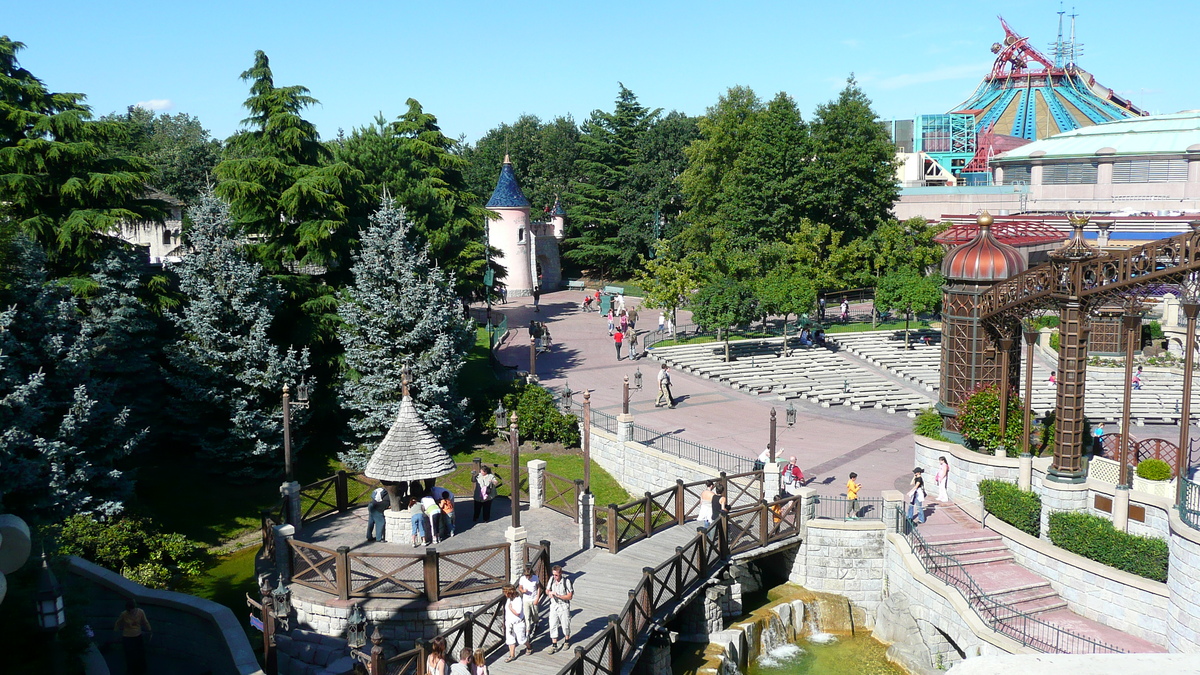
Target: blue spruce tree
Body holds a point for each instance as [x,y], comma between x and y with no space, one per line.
[400,309]
[225,368]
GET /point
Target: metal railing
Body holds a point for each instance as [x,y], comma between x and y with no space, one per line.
[838,508]
[1189,508]
[1002,617]
[684,449]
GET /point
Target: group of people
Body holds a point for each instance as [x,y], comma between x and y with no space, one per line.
[915,499]
[469,662]
[433,518]
[809,338]
[845,310]
[541,334]
[522,606]
[621,326]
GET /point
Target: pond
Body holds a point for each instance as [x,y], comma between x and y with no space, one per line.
[825,654]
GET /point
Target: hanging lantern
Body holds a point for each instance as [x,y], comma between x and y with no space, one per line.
[791,415]
[566,397]
[281,600]
[501,417]
[637,379]
[302,391]
[51,614]
[356,627]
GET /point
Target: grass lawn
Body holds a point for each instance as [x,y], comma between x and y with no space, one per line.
[228,581]
[565,463]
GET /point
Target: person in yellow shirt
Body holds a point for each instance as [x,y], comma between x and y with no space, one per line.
[852,488]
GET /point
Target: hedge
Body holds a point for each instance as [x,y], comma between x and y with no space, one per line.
[1154,469]
[929,424]
[1095,538]
[1006,501]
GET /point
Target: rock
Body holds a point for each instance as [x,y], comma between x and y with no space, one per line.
[894,623]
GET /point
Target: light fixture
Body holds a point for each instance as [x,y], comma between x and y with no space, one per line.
[637,379]
[501,417]
[566,397]
[302,391]
[51,613]
[356,627]
[791,414]
[281,600]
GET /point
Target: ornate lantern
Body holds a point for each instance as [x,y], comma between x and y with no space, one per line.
[637,379]
[791,415]
[302,391]
[356,627]
[51,613]
[501,417]
[281,600]
[566,397]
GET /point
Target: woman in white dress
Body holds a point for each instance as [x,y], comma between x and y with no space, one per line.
[942,477]
[704,512]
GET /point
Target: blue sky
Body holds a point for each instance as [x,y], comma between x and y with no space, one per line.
[477,64]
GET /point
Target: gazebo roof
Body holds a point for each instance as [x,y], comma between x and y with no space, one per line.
[409,451]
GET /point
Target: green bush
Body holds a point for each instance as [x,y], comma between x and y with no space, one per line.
[979,421]
[1017,507]
[1048,321]
[929,425]
[135,548]
[1095,538]
[1154,331]
[1154,469]
[538,417]
[1054,341]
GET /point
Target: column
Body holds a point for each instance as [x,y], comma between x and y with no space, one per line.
[516,538]
[624,427]
[587,520]
[772,480]
[290,491]
[893,502]
[537,483]
[1069,432]
[283,552]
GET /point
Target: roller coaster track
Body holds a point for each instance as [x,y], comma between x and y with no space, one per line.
[1095,282]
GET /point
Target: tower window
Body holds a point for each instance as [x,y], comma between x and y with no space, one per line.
[520,234]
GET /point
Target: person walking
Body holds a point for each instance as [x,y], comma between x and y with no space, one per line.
[852,488]
[376,523]
[821,309]
[915,501]
[624,321]
[435,663]
[618,338]
[514,621]
[941,478]
[531,594]
[662,321]
[704,513]
[560,590]
[793,477]
[718,502]
[134,626]
[633,344]
[633,317]
[611,320]
[845,311]
[537,296]
[664,389]
[485,483]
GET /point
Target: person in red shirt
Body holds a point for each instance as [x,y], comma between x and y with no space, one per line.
[618,338]
[793,477]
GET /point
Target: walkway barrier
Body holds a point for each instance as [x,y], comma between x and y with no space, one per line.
[685,449]
[838,508]
[562,495]
[1189,509]
[1001,617]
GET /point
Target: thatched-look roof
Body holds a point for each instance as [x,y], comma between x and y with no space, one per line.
[410,451]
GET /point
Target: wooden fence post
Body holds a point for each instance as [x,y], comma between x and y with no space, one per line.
[764,512]
[680,503]
[648,514]
[702,552]
[431,575]
[469,630]
[723,534]
[614,645]
[678,568]
[340,489]
[377,652]
[613,545]
[648,604]
[268,621]
[422,647]
[342,572]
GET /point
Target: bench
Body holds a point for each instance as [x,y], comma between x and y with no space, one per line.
[614,290]
[575,285]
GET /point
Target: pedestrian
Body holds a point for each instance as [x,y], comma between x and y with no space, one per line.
[624,321]
[704,511]
[375,520]
[620,302]
[633,317]
[560,590]
[671,326]
[664,388]
[662,321]
[852,488]
[446,504]
[530,587]
[537,295]
[941,478]
[418,522]
[434,513]
[718,502]
[793,477]
[598,303]
[479,663]
[633,344]
[463,667]
[1053,379]
[1098,439]
[821,309]
[514,621]
[763,458]
[915,501]
[134,626]
[845,311]
[1137,378]
[611,320]
[485,484]
[435,662]
[618,338]
[504,295]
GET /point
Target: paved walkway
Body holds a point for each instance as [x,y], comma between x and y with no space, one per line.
[827,442]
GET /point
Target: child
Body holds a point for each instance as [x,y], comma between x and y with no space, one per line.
[852,488]
[479,663]
[447,506]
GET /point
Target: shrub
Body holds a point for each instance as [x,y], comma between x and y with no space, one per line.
[979,420]
[929,425]
[1095,538]
[1154,469]
[538,417]
[135,548]
[1154,331]
[1048,321]
[1017,507]
[1054,341]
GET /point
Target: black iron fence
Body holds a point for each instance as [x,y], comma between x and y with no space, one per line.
[841,508]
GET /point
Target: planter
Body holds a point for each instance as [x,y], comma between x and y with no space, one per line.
[1158,488]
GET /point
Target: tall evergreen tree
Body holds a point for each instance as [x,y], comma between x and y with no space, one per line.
[543,156]
[400,309]
[226,371]
[58,178]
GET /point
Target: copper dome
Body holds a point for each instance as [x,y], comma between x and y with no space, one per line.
[983,258]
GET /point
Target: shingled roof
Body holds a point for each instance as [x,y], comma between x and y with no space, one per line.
[410,451]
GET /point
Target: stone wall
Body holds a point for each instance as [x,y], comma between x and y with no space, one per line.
[1157,522]
[640,468]
[1183,583]
[329,617]
[187,629]
[845,558]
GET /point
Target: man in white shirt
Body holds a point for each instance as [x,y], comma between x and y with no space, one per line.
[664,388]
[560,590]
[375,519]
[531,593]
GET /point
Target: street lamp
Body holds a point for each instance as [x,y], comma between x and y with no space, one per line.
[51,613]
[281,602]
[566,397]
[356,627]
[300,402]
[791,414]
[637,379]
[515,441]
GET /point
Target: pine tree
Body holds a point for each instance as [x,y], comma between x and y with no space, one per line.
[400,309]
[226,371]
[62,436]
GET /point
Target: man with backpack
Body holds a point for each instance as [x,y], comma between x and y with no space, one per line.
[375,520]
[560,590]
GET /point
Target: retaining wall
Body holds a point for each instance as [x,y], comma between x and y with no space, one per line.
[329,616]
[640,468]
[845,558]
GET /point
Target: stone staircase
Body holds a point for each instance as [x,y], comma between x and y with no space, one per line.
[991,566]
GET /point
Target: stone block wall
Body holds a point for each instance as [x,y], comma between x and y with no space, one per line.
[329,617]
[1058,497]
[1183,583]
[845,558]
[1157,522]
[640,468]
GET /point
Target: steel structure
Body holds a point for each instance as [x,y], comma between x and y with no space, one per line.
[1028,95]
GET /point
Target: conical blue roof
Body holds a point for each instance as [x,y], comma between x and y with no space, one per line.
[558,209]
[507,193]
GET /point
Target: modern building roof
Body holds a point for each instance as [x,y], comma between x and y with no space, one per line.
[409,451]
[1176,134]
[507,193]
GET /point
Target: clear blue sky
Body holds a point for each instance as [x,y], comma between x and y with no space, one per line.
[477,64]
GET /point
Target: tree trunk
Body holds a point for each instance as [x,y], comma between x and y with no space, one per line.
[727,346]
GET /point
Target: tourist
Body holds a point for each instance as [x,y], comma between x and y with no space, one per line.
[718,504]
[479,663]
[777,507]
[418,522]
[1137,378]
[664,388]
[587,302]
[763,458]
[845,311]
[662,321]
[561,590]
[537,295]
[611,320]
[852,488]
[434,513]
[435,662]
[446,504]
[704,512]
[819,337]
[486,485]
[133,623]
[941,478]
[504,295]
[633,317]
[915,501]
[821,309]
[624,321]
[375,520]
[917,474]
[1053,379]
[793,477]
[618,339]
[671,326]
[620,302]
[463,667]
[633,344]
[514,621]
[599,305]
[531,594]
[1098,439]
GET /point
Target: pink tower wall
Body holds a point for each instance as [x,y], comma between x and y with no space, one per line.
[502,234]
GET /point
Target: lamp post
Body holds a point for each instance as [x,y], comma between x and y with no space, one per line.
[514,467]
[771,443]
[532,359]
[1190,303]
[300,402]
[50,611]
[587,442]
[637,379]
[1030,333]
[281,603]
[625,396]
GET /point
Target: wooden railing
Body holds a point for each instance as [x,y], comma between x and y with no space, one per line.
[562,495]
[1147,448]
[538,555]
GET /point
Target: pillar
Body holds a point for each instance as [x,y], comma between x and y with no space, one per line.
[537,483]
[624,428]
[283,552]
[516,537]
[893,504]
[1120,508]
[1025,478]
[290,491]
[772,480]
[1070,436]
[1060,496]
[587,520]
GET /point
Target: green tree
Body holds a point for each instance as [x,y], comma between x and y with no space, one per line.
[786,292]
[136,548]
[724,304]
[851,181]
[543,155]
[654,179]
[906,245]
[667,280]
[58,180]
[177,147]
[909,292]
